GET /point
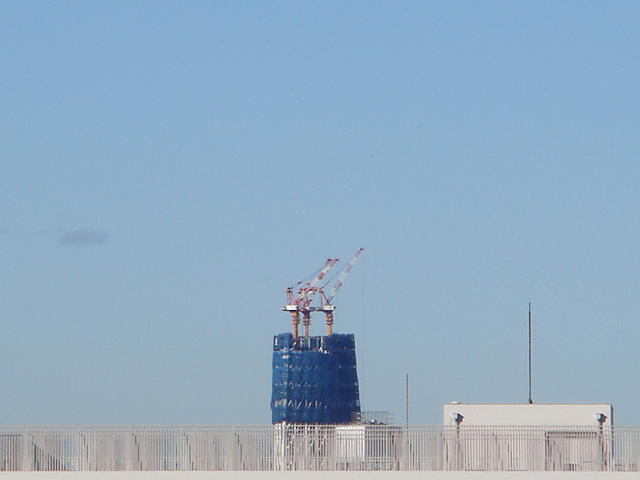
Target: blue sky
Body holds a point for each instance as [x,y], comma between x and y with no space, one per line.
[168,168]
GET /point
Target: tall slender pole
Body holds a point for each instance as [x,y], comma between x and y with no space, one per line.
[406,395]
[530,399]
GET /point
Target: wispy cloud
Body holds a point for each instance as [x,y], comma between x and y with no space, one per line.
[83,237]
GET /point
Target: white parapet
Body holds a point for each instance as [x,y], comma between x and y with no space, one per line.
[513,415]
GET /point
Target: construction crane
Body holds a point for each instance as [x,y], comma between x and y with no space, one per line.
[325,300]
[302,302]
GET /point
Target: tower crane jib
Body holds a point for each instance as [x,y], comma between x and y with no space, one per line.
[326,300]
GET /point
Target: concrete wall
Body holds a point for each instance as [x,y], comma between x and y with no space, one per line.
[318,476]
[527,415]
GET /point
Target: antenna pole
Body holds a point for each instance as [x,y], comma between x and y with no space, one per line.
[530,399]
[407,399]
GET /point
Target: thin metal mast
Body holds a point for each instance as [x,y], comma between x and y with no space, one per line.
[530,399]
[407,400]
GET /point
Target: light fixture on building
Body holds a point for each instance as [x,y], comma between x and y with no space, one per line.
[457,417]
[601,418]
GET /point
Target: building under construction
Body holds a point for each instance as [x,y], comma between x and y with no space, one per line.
[315,379]
[315,398]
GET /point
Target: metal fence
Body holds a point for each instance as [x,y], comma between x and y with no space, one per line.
[320,447]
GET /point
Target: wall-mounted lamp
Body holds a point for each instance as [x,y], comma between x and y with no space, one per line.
[457,417]
[601,418]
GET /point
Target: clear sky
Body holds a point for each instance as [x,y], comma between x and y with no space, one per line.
[168,168]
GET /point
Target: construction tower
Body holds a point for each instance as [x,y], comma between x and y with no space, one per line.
[315,379]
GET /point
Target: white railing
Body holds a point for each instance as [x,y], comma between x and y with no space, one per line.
[319,447]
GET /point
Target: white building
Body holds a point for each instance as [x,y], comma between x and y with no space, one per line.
[529,437]
[527,415]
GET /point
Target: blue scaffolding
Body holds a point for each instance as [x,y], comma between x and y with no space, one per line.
[315,380]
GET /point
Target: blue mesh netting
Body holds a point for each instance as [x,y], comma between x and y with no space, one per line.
[314,379]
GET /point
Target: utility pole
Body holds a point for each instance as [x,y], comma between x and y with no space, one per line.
[407,400]
[530,399]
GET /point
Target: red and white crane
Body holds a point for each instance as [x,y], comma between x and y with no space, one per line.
[325,300]
[302,302]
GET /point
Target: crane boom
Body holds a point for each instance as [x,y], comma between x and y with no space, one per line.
[343,275]
[307,292]
[325,300]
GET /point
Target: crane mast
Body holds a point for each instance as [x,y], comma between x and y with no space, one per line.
[301,302]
